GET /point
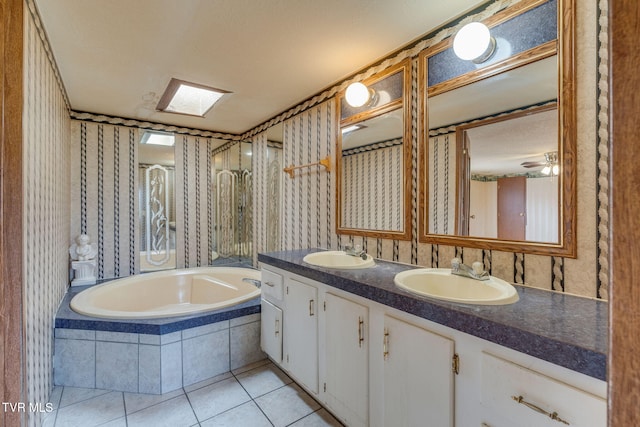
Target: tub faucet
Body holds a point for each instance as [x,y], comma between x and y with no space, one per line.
[255,282]
[476,271]
[355,251]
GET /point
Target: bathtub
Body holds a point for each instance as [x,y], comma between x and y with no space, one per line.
[168,293]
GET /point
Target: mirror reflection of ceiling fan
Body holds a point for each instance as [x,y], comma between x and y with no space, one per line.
[549,165]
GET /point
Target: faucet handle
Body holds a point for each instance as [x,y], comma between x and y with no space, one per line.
[478,268]
[455,265]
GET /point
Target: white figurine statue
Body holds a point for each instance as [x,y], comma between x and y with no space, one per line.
[82,250]
[83,261]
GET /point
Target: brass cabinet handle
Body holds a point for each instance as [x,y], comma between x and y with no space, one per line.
[552,415]
[360,331]
[385,345]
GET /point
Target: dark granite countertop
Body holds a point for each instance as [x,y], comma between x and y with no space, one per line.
[566,330]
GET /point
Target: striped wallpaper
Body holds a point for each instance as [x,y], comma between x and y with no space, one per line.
[104,196]
[372,187]
[267,186]
[46,159]
[308,199]
[442,184]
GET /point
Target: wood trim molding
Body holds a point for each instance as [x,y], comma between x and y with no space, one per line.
[11,335]
[519,60]
[624,292]
[565,47]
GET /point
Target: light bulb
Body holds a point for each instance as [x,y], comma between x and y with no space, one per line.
[556,169]
[357,94]
[546,170]
[473,42]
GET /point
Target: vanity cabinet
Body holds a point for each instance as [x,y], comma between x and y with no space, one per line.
[301,333]
[346,384]
[512,394]
[374,365]
[418,375]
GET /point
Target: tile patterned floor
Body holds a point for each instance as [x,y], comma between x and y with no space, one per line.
[254,396]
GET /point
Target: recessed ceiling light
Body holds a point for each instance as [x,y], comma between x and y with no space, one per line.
[189,98]
[150,137]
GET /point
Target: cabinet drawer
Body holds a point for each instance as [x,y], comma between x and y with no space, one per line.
[271,285]
[514,395]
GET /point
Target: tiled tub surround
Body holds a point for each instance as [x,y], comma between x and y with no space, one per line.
[563,329]
[156,355]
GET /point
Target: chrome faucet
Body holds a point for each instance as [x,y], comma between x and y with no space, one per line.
[476,271]
[355,251]
[255,282]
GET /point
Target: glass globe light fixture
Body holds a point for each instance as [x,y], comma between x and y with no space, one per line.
[473,42]
[357,94]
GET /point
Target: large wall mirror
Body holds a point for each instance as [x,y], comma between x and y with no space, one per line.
[156,196]
[372,159]
[498,149]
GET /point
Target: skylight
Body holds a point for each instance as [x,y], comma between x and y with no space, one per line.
[150,137]
[189,98]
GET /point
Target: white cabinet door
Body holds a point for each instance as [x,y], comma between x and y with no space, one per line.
[347,360]
[301,333]
[271,331]
[418,376]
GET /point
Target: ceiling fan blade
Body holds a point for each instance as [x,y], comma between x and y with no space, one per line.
[532,164]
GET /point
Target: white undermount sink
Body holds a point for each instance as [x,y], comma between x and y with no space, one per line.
[439,283]
[338,259]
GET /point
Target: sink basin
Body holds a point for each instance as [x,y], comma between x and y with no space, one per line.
[338,259]
[439,283]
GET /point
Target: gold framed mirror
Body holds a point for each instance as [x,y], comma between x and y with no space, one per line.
[498,142]
[373,158]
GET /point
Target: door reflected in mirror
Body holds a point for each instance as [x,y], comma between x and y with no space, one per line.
[513,188]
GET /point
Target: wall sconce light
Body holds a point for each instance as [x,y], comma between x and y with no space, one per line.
[551,166]
[358,95]
[473,42]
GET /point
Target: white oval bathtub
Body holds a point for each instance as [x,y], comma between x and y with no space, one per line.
[168,293]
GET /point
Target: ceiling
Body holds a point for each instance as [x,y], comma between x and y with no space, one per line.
[500,148]
[116,57]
